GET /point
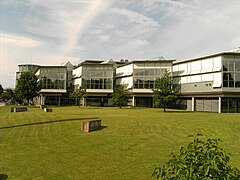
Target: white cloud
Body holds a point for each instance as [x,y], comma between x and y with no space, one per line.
[61,23]
[117,33]
[13,50]
[208,31]
[10,40]
[53,31]
[77,26]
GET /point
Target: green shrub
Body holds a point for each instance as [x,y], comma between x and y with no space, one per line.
[199,160]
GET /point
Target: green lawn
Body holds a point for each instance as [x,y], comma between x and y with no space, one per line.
[39,145]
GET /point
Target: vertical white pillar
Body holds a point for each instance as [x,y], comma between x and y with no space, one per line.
[219,105]
[193,104]
[41,100]
[133,101]
[83,102]
[44,98]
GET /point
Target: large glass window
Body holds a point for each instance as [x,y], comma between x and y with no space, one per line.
[146,73]
[97,76]
[231,75]
[53,78]
[143,83]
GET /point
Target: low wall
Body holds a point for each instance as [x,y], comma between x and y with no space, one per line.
[47,110]
[18,109]
[91,125]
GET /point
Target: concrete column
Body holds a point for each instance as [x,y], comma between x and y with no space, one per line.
[133,101]
[219,104]
[41,100]
[193,104]
[83,102]
[44,98]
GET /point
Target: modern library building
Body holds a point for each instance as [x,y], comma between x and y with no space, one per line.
[209,83]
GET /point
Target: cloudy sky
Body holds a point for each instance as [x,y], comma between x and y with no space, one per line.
[54,31]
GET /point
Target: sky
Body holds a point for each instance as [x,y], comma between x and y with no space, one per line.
[53,32]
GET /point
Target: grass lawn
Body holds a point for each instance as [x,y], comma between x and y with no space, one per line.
[39,145]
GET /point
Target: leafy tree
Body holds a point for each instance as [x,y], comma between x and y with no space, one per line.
[79,94]
[120,96]
[27,87]
[164,95]
[1,89]
[7,95]
[199,160]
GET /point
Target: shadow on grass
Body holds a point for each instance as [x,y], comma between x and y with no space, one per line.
[3,176]
[169,111]
[45,122]
[99,129]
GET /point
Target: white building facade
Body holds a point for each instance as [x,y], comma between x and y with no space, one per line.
[139,76]
[210,83]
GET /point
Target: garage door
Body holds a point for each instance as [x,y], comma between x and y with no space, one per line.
[206,104]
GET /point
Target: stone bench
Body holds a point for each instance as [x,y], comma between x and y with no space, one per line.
[18,109]
[47,110]
[91,125]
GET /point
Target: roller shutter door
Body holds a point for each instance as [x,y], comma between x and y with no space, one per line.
[199,105]
[207,105]
[214,105]
[189,105]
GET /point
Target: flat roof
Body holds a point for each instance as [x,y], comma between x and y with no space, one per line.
[145,61]
[232,52]
[28,65]
[89,61]
[49,67]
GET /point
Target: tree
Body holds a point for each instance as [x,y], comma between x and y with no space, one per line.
[7,95]
[79,94]
[164,95]
[1,89]
[27,87]
[120,96]
[199,160]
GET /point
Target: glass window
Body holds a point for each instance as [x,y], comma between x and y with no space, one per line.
[237,66]
[225,66]
[231,66]
[237,80]
[140,84]
[108,73]
[135,84]
[225,79]
[149,72]
[107,84]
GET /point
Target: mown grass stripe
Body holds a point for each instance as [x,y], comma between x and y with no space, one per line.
[133,142]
